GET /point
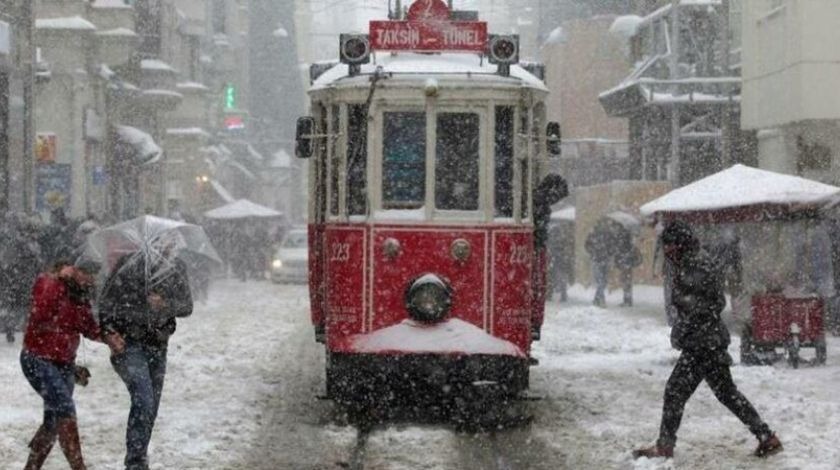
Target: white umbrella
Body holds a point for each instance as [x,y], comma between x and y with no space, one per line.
[156,241]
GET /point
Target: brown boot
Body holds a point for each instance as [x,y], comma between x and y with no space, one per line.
[769,446]
[68,438]
[40,447]
[653,452]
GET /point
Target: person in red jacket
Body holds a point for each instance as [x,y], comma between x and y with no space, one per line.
[60,311]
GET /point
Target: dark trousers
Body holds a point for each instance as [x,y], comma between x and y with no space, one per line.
[54,382]
[713,367]
[627,285]
[142,368]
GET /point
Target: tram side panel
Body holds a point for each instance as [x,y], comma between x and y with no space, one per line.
[512,287]
[345,251]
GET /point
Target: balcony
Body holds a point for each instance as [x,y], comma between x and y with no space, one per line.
[116,45]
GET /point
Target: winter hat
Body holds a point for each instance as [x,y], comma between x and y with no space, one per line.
[678,233]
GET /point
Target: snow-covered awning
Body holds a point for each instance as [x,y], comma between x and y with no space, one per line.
[740,194]
[110,4]
[118,32]
[187,132]
[75,23]
[155,64]
[636,92]
[142,146]
[242,209]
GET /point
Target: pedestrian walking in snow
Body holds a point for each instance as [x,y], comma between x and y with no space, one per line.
[60,312]
[20,263]
[702,338]
[627,258]
[144,314]
[600,245]
[550,191]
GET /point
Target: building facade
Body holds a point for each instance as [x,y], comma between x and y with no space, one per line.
[17,56]
[682,99]
[791,67]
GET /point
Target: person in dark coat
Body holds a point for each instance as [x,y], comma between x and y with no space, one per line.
[627,258]
[702,338]
[21,260]
[600,245]
[550,191]
[60,313]
[144,313]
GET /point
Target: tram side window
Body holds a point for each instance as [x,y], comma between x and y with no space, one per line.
[456,161]
[504,160]
[523,165]
[335,161]
[404,160]
[357,128]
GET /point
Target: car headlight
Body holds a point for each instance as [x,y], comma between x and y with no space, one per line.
[428,299]
[277,264]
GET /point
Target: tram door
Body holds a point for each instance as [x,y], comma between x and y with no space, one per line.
[318,217]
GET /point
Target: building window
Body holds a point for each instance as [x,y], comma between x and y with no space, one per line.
[812,156]
[219,17]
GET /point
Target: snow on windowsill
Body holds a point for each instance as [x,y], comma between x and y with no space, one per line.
[400,214]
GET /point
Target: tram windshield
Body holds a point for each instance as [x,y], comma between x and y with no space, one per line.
[404,160]
[456,160]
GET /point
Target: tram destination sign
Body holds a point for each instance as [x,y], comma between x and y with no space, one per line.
[462,36]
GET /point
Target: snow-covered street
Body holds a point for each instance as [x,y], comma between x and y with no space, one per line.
[244,373]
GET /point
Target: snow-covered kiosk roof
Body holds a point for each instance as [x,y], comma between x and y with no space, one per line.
[742,194]
[446,68]
[242,209]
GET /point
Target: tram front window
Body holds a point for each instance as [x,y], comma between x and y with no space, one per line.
[404,160]
[457,161]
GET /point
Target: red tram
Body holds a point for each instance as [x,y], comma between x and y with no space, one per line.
[425,144]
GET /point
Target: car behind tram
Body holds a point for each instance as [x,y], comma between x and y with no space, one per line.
[425,144]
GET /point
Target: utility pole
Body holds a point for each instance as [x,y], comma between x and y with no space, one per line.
[726,109]
[673,63]
[28,65]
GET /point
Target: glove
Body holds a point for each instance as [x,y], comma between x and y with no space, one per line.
[81,375]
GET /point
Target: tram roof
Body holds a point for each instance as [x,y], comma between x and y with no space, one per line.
[443,66]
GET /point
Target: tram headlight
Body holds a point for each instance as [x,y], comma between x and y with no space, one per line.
[354,49]
[428,299]
[277,264]
[503,49]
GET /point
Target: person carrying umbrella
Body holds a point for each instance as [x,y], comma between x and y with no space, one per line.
[146,291]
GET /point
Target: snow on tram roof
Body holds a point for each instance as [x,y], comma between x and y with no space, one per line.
[455,66]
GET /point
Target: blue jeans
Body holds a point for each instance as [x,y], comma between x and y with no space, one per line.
[54,382]
[142,368]
[600,271]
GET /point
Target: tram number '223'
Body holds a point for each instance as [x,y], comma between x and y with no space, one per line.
[340,252]
[519,254]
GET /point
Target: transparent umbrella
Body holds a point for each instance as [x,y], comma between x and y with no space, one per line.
[154,241]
